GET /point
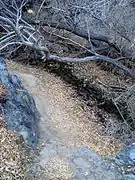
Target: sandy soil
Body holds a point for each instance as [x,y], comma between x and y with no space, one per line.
[64,117]
[13,155]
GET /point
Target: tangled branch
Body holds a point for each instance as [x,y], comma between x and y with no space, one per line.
[19,32]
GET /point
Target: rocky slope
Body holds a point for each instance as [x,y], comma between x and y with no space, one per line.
[63,152]
[65,142]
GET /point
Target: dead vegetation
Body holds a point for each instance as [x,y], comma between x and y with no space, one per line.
[13,152]
[16,32]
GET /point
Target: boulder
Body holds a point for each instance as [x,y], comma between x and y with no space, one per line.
[18,107]
[125,161]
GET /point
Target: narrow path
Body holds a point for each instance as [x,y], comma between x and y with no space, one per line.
[66,132]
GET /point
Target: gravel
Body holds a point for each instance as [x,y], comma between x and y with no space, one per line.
[13,158]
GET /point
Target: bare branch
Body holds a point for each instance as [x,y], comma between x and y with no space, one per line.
[95,57]
[9,44]
[22,33]
[41,6]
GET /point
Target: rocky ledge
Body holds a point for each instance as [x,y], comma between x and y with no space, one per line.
[18,107]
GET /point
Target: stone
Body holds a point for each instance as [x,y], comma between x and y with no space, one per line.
[125,161]
[19,109]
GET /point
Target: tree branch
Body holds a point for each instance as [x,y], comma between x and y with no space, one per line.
[95,57]
[24,34]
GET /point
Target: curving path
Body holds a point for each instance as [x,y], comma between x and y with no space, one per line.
[66,133]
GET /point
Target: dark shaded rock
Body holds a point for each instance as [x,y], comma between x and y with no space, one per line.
[86,164]
[89,165]
[125,161]
[83,162]
[19,108]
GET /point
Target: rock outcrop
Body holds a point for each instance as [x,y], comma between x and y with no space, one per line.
[125,162]
[18,107]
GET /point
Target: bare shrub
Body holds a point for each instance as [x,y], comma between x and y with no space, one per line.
[18,32]
[124,128]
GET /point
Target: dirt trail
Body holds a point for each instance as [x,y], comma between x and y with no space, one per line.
[64,122]
[60,112]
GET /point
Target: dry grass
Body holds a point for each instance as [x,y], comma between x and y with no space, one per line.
[125,103]
[74,123]
[13,158]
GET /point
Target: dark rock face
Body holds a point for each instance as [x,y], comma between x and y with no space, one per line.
[125,161]
[88,165]
[19,108]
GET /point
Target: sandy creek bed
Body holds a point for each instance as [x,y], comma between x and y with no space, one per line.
[64,124]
